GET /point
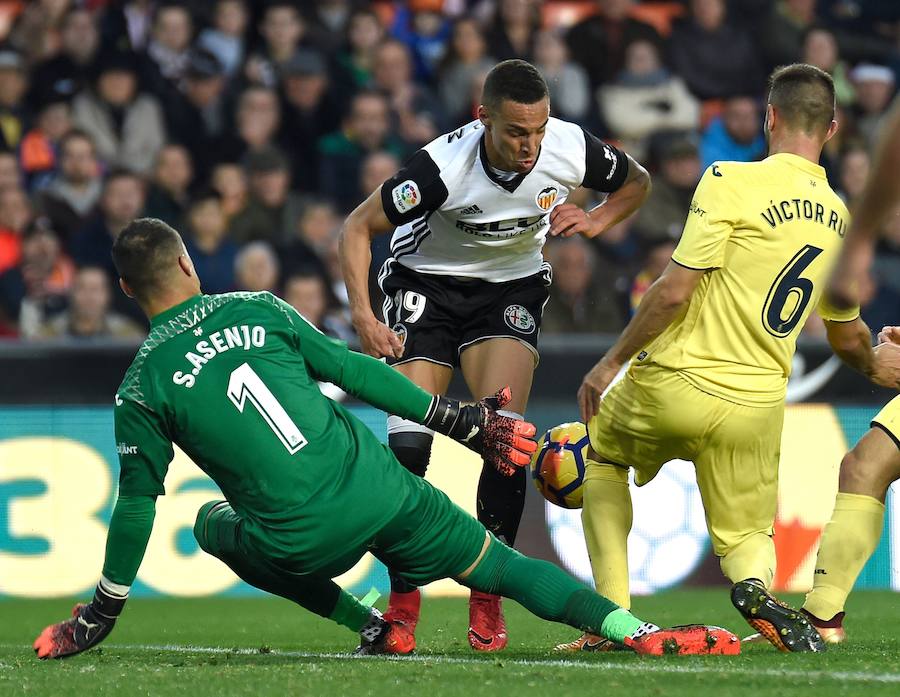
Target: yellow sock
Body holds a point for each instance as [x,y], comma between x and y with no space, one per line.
[752,557]
[849,539]
[606,516]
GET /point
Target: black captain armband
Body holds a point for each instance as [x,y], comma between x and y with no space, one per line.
[605,166]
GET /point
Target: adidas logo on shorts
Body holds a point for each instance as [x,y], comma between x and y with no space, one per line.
[471,210]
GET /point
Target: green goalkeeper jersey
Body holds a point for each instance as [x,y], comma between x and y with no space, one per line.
[232,380]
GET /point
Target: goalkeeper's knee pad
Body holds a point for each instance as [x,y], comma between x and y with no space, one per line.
[208,524]
[410,443]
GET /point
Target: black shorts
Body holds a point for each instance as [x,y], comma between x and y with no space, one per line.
[438,317]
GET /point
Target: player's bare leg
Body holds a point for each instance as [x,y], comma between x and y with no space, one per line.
[852,534]
[411,444]
[487,366]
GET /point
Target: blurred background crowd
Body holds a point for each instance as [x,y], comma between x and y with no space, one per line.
[253,127]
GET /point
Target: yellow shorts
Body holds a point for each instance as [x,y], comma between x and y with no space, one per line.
[654,415]
[889,419]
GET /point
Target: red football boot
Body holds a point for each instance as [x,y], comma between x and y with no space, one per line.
[487,627]
[689,640]
[403,616]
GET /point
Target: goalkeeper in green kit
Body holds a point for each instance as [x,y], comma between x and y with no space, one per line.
[232,380]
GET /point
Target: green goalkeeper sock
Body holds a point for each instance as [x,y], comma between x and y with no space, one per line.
[350,612]
[549,592]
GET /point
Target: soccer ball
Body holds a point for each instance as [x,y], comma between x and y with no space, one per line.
[561,484]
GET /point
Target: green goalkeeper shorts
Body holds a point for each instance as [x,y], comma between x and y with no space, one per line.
[429,538]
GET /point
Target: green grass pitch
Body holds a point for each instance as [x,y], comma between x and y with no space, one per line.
[263,646]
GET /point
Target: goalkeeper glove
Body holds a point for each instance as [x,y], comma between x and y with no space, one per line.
[88,626]
[504,443]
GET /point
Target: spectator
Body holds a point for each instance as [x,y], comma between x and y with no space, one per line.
[38,148]
[229,180]
[376,168]
[886,266]
[645,99]
[307,249]
[331,16]
[225,39]
[874,89]
[820,48]
[854,170]
[36,289]
[879,290]
[366,129]
[283,31]
[570,95]
[69,71]
[273,210]
[10,175]
[89,315]
[35,32]
[735,135]
[308,294]
[257,124]
[70,197]
[583,296]
[15,216]
[195,114]
[207,242]
[364,34]
[656,258]
[125,125]
[782,31]
[310,111]
[13,86]
[318,225]
[662,215]
[415,110]
[598,42]
[466,58]
[127,24]
[169,48]
[121,202]
[167,195]
[514,27]
[422,26]
[715,58]
[256,268]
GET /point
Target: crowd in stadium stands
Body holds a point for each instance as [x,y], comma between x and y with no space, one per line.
[254,127]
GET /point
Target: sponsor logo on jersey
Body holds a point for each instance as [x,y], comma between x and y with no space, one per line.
[545,197]
[518,318]
[406,196]
[471,210]
[503,228]
[125,449]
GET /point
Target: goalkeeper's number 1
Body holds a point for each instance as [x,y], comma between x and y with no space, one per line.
[245,384]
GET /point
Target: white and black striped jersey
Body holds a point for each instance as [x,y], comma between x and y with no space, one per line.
[456,217]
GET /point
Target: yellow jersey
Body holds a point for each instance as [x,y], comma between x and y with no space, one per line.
[768,233]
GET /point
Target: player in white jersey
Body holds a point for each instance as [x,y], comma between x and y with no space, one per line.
[466,283]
